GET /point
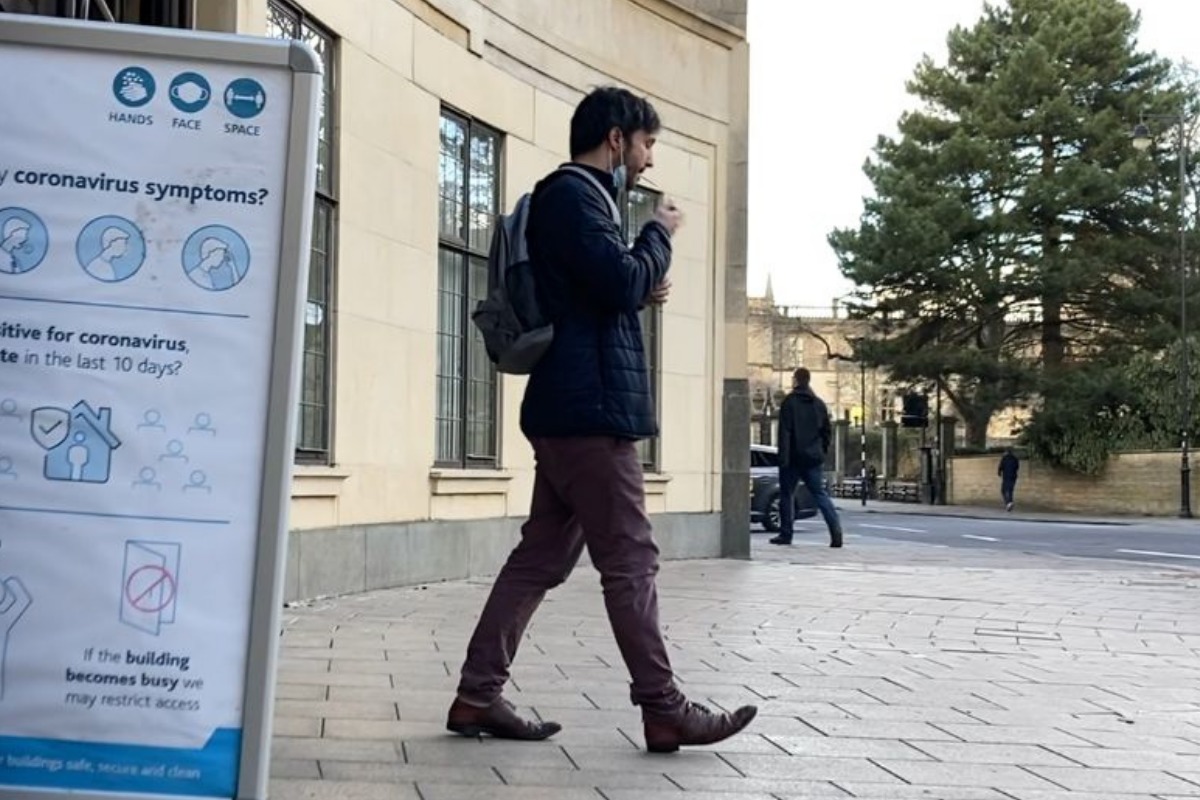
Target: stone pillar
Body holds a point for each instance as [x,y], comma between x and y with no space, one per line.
[222,16]
[928,487]
[948,435]
[946,439]
[891,450]
[731,357]
[842,454]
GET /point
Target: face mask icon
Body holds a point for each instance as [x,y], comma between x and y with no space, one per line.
[189,92]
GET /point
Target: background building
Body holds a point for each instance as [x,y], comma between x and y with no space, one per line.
[782,338]
[436,116]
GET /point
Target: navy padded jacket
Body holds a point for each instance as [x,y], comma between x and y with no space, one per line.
[592,381]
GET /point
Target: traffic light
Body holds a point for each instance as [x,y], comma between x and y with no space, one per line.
[916,410]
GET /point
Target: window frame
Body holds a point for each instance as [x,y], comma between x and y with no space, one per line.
[178,14]
[469,256]
[634,217]
[326,211]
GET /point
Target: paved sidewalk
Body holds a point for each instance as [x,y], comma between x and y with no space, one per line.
[884,670]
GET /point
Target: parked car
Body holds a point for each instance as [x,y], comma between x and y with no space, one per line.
[764,489]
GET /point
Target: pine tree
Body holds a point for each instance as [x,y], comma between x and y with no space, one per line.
[1015,232]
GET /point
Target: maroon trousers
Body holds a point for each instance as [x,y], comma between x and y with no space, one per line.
[587,490]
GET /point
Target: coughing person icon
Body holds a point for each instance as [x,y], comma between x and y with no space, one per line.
[23,240]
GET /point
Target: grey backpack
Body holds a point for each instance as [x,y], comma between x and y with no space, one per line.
[516,333]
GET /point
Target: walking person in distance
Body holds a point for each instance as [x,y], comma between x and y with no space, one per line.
[1009,467]
[804,437]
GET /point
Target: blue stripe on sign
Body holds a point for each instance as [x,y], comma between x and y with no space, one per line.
[54,764]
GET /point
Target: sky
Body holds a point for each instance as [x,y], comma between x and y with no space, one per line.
[826,79]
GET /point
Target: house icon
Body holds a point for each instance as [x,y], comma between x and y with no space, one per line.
[78,442]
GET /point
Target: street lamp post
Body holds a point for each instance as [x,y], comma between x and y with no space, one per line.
[936,477]
[765,420]
[1142,140]
[862,430]
[862,418]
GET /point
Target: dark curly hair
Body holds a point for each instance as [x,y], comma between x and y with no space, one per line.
[606,108]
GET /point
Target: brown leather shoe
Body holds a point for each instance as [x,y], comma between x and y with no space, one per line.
[499,719]
[693,724]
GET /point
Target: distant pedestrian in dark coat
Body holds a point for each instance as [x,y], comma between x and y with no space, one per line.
[804,438]
[1008,469]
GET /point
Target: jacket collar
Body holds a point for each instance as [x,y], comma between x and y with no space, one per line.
[605,178]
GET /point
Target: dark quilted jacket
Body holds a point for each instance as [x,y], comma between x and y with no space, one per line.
[804,430]
[592,381]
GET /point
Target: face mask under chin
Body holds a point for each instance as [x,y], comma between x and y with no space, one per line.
[619,176]
[620,172]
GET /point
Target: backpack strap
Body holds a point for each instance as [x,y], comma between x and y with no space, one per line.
[612,204]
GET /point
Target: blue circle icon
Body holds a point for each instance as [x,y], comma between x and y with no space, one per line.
[216,258]
[189,92]
[23,241]
[133,87]
[245,98]
[110,249]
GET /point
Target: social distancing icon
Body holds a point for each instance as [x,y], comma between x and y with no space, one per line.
[245,98]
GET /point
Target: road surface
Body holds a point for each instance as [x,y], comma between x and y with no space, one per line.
[1165,541]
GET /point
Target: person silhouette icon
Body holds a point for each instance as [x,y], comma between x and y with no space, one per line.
[114,243]
[152,418]
[6,469]
[174,451]
[110,249]
[203,424]
[78,456]
[149,478]
[197,481]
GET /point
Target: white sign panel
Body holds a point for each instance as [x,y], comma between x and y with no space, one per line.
[141,219]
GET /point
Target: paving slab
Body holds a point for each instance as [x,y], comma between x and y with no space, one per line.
[886,670]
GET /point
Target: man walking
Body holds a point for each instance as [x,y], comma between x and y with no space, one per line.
[586,404]
[1008,469]
[804,437]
